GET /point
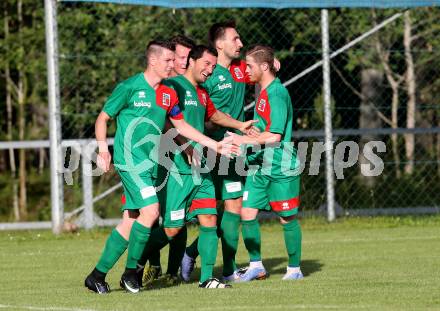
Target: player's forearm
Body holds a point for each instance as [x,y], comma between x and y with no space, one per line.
[101,131]
[224,120]
[189,132]
[179,139]
[263,138]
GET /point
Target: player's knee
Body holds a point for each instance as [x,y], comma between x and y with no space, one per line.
[172,232]
[124,227]
[233,206]
[208,220]
[249,213]
[148,215]
[285,220]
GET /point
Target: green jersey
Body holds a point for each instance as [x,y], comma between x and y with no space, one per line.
[196,106]
[226,87]
[273,109]
[140,113]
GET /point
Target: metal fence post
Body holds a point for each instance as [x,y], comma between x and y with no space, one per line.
[87,186]
[53,82]
[328,117]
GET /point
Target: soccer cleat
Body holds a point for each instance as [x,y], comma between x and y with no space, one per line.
[129,282]
[139,273]
[253,274]
[93,284]
[214,283]
[187,267]
[242,270]
[234,277]
[150,274]
[293,275]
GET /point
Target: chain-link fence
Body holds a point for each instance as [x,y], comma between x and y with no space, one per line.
[384,84]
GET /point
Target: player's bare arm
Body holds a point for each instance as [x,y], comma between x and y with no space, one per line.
[223,147]
[192,155]
[224,120]
[263,138]
[104,156]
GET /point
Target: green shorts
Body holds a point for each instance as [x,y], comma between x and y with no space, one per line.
[227,181]
[139,190]
[263,193]
[181,199]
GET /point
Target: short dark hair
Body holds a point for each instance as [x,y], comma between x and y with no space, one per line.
[217,31]
[263,54]
[183,40]
[156,46]
[197,52]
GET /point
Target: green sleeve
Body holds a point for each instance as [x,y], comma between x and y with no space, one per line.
[278,112]
[117,101]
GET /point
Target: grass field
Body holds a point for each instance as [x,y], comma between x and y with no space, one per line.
[367,264]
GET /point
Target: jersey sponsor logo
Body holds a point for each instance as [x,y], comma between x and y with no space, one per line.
[177,215]
[225,86]
[190,102]
[221,78]
[148,192]
[188,93]
[141,94]
[285,205]
[238,73]
[166,99]
[262,105]
[233,186]
[142,104]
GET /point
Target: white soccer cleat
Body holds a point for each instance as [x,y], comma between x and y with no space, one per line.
[293,274]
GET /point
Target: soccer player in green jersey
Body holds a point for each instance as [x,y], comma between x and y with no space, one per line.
[196,197]
[183,45]
[140,105]
[273,180]
[226,87]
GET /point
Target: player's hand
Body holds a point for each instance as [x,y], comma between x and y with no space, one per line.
[235,139]
[227,148]
[103,160]
[193,156]
[253,132]
[277,64]
[247,126]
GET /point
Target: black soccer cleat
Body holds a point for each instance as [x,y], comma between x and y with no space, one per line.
[140,273]
[129,282]
[95,285]
[214,283]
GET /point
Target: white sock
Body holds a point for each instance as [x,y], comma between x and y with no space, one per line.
[293,269]
[256,264]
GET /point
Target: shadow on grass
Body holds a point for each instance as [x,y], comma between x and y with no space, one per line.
[275,265]
[308,266]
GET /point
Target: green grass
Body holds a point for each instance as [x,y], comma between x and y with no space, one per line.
[358,263]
